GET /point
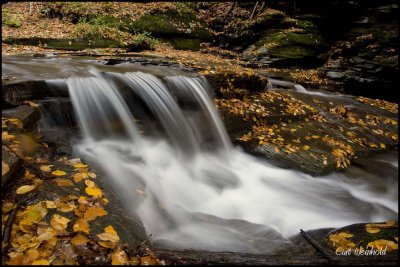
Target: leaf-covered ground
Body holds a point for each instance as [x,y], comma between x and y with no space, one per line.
[55,212]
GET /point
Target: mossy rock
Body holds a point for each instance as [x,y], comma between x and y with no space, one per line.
[65,44]
[171,24]
[192,44]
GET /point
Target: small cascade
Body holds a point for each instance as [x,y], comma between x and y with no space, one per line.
[199,191]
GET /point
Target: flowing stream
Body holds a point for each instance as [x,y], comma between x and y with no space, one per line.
[185,180]
[167,154]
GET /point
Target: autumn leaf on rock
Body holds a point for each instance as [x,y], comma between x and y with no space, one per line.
[25,189]
[80,165]
[81,225]
[382,244]
[58,173]
[89,183]
[94,212]
[46,168]
[119,257]
[4,168]
[59,222]
[94,191]
[109,234]
[79,240]
[40,262]
[63,182]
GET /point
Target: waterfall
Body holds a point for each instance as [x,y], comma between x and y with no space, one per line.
[190,187]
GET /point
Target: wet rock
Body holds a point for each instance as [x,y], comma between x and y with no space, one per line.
[307,141]
[335,74]
[13,162]
[29,116]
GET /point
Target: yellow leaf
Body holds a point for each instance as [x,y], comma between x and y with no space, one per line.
[50,204]
[81,225]
[108,244]
[109,229]
[78,177]
[46,168]
[59,222]
[41,160]
[28,175]
[89,183]
[382,145]
[79,240]
[315,136]
[372,230]
[94,212]
[40,262]
[80,165]
[4,168]
[119,257]
[95,191]
[25,189]
[83,200]
[31,103]
[345,235]
[6,136]
[306,147]
[63,182]
[65,207]
[58,173]
[382,244]
[148,261]
[104,200]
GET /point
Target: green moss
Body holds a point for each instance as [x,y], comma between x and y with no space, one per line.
[109,21]
[13,23]
[171,23]
[192,44]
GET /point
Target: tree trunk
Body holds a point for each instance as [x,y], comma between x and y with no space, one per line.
[263,4]
[230,9]
[254,11]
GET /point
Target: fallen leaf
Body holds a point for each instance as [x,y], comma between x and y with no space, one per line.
[94,212]
[119,257]
[148,261]
[31,103]
[81,225]
[108,244]
[59,222]
[46,168]
[50,204]
[89,183]
[63,182]
[382,244]
[25,189]
[28,175]
[4,168]
[94,191]
[80,165]
[58,173]
[79,240]
[40,262]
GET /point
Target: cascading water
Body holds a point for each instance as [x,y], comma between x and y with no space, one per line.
[187,193]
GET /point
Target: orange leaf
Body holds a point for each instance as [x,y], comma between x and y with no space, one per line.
[79,240]
[119,257]
[94,212]
[81,225]
[63,182]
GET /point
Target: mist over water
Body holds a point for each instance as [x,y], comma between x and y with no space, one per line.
[169,157]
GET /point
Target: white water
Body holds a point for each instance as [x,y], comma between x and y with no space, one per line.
[185,178]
